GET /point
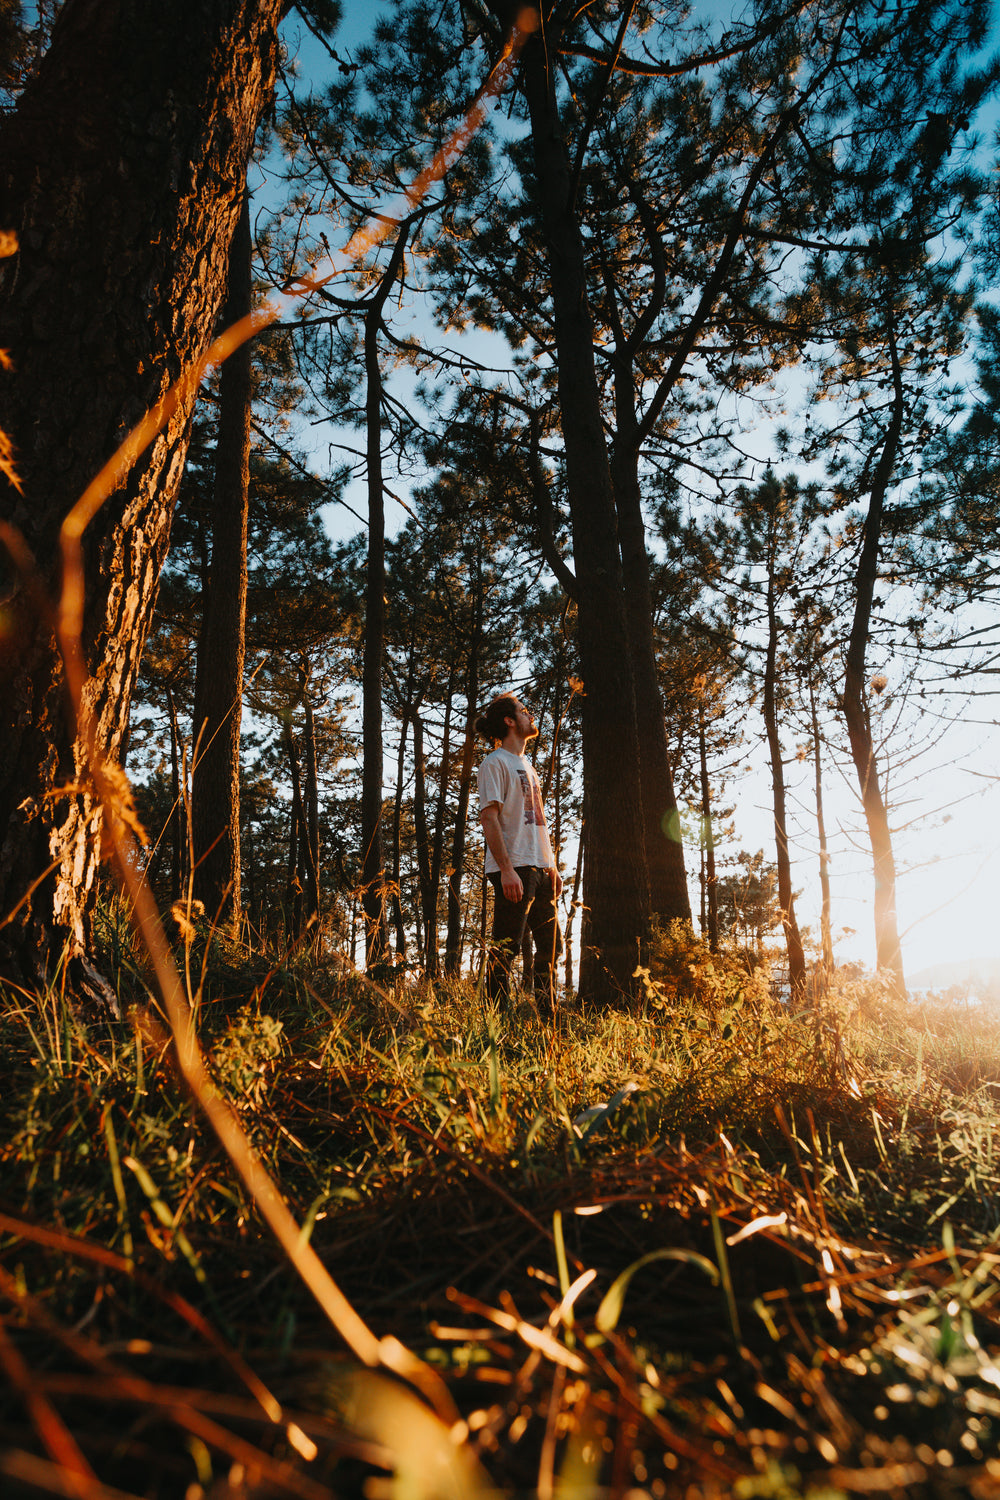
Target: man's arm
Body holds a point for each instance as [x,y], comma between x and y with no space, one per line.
[509,878]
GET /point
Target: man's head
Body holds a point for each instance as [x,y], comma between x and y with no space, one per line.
[505,716]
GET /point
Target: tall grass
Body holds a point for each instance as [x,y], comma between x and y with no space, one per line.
[769,1269]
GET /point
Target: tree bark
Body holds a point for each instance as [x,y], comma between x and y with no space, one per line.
[218,696]
[826,935]
[422,839]
[121,172]
[453,940]
[668,892]
[178,839]
[616,890]
[311,824]
[397,819]
[888,955]
[786,898]
[437,853]
[710,896]
[372,839]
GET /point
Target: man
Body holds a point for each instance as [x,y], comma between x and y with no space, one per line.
[519,861]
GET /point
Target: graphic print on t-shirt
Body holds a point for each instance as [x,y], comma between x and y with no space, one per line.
[532,799]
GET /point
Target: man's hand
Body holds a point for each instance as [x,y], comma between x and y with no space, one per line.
[510,880]
[557,884]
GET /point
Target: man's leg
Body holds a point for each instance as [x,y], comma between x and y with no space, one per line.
[509,918]
[543,920]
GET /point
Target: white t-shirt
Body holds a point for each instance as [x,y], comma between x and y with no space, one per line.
[510,780]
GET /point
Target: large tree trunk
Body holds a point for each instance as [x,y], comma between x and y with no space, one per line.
[218,697]
[616,890]
[668,892]
[121,171]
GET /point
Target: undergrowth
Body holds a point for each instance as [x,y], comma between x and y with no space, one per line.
[768,1267]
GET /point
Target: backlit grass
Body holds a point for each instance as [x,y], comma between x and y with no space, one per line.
[770,1270]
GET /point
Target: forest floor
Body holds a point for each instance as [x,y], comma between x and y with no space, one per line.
[769,1268]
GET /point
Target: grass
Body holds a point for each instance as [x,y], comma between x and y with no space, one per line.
[770,1270]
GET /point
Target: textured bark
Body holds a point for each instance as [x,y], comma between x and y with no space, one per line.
[616,889]
[218,698]
[668,892]
[121,172]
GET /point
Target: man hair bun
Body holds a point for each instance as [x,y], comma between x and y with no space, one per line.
[491,725]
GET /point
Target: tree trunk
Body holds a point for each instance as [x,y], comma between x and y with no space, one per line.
[437,853]
[786,898]
[888,955]
[422,839]
[616,890]
[710,898]
[311,823]
[176,822]
[372,840]
[573,906]
[453,942]
[218,697]
[121,171]
[826,935]
[668,892]
[293,886]
[397,819]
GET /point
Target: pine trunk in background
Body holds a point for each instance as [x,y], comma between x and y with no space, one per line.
[372,835]
[311,823]
[218,697]
[826,935]
[888,954]
[786,897]
[453,941]
[397,819]
[121,172]
[437,853]
[710,893]
[422,838]
[176,824]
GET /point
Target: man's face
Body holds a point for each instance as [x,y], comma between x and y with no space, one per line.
[524,722]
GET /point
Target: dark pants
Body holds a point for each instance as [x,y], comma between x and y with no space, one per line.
[535,911]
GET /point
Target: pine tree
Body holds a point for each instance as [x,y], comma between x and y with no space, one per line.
[121,172]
